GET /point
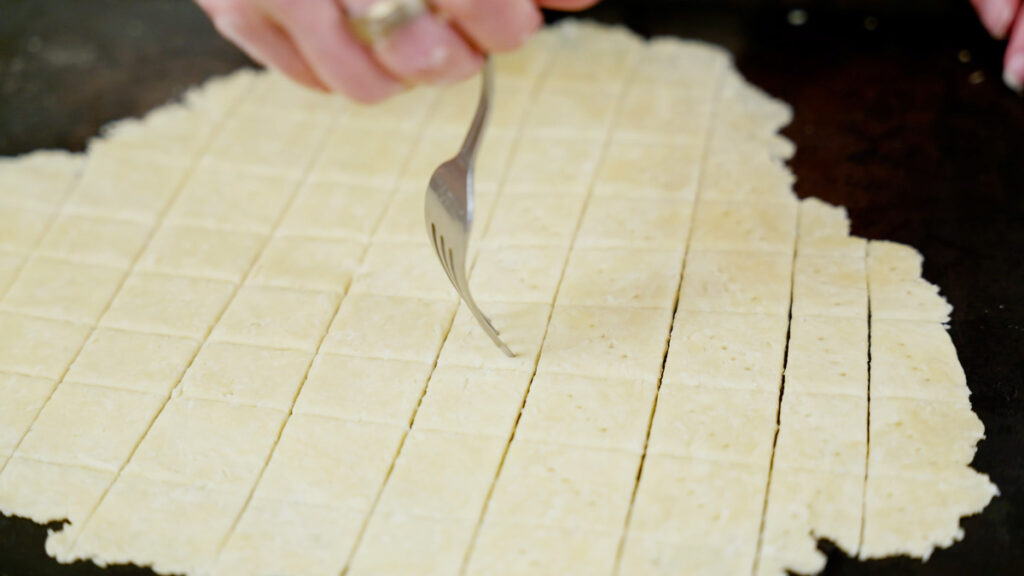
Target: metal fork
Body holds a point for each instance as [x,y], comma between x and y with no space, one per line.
[449,209]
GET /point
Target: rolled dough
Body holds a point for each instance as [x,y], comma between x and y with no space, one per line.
[227,348]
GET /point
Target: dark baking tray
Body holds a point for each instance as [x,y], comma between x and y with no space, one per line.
[920,146]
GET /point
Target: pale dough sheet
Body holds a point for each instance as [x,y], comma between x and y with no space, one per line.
[226,347]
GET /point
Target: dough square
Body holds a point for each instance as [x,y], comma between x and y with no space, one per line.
[290,538]
[247,375]
[660,170]
[654,223]
[217,196]
[621,278]
[23,397]
[828,355]
[132,361]
[90,426]
[909,299]
[819,219]
[584,411]
[648,111]
[742,282]
[914,514]
[713,350]
[277,318]
[897,289]
[310,263]
[805,505]
[204,442]
[21,227]
[94,240]
[42,178]
[38,347]
[47,492]
[437,145]
[363,155]
[512,549]
[533,220]
[915,360]
[472,401]
[457,103]
[747,173]
[592,55]
[521,327]
[823,432]
[398,545]
[407,270]
[684,64]
[442,475]
[518,273]
[828,286]
[63,290]
[172,305]
[128,185]
[714,424]
[275,92]
[566,486]
[363,389]
[910,435]
[390,328]
[201,252]
[646,555]
[566,165]
[10,265]
[403,112]
[583,111]
[606,342]
[130,523]
[744,226]
[283,143]
[825,231]
[699,500]
[403,219]
[328,209]
[330,462]
[832,246]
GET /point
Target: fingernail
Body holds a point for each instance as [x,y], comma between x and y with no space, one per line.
[1013,73]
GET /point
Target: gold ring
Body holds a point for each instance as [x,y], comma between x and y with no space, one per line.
[383,18]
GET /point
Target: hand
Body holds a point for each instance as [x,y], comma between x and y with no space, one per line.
[1004,18]
[310,41]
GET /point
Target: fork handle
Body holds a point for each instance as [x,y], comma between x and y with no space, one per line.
[468,151]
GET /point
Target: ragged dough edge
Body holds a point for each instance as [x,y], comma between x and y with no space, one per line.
[894,270]
[748,123]
[47,160]
[197,105]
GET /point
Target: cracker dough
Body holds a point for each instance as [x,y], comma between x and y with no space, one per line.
[227,348]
